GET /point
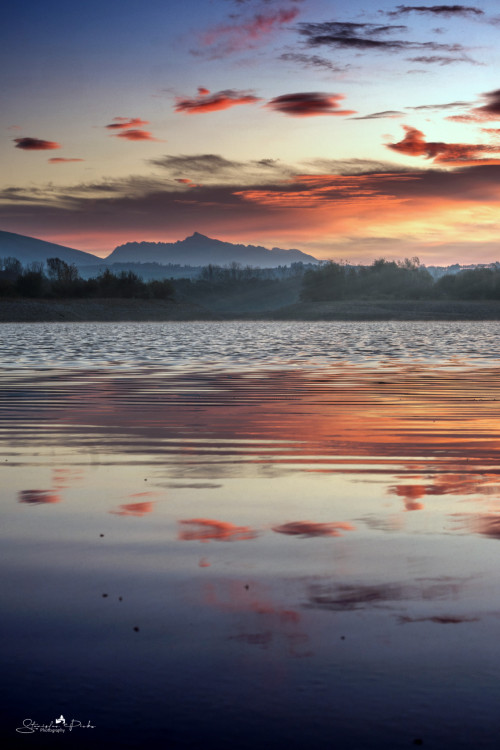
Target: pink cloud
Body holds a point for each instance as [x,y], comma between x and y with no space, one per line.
[229,38]
[62,160]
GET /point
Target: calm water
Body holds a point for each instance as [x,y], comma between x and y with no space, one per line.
[246,535]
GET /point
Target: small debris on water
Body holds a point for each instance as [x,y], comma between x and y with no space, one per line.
[104,596]
[136,629]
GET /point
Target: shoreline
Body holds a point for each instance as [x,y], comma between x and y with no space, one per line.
[140,310]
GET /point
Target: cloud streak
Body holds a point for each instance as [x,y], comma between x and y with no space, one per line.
[437,10]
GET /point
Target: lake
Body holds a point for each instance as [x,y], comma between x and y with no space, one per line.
[241,535]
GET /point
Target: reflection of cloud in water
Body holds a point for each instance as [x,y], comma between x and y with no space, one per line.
[439,619]
[38,497]
[348,597]
[193,486]
[448,484]
[222,420]
[207,529]
[312,529]
[410,492]
[134,509]
[257,620]
[487,524]
[63,478]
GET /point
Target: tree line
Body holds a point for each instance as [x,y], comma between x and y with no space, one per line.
[397,280]
[58,279]
[329,281]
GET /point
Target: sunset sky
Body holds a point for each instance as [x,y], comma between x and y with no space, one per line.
[347,130]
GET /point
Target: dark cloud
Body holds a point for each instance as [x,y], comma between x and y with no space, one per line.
[363,36]
[439,619]
[309,104]
[391,113]
[35,144]
[199,165]
[313,61]
[488,111]
[312,529]
[437,10]
[207,102]
[443,59]
[448,105]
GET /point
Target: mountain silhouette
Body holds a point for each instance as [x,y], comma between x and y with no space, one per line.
[199,250]
[29,250]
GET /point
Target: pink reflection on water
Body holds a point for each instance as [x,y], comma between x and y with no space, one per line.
[207,529]
[38,497]
[134,509]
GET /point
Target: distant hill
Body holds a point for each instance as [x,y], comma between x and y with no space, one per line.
[198,250]
[29,249]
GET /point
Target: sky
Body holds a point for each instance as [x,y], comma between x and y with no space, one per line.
[351,131]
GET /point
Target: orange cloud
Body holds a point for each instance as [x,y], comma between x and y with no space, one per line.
[206,102]
[134,509]
[312,529]
[38,497]
[136,135]
[309,104]
[35,144]
[205,530]
[414,144]
[62,160]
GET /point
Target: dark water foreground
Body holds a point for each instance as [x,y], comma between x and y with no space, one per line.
[246,557]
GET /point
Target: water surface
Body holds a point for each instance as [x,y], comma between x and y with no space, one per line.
[238,535]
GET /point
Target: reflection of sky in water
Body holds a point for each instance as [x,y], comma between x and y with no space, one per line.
[281,557]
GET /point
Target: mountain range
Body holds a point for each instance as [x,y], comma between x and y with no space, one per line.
[196,250]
